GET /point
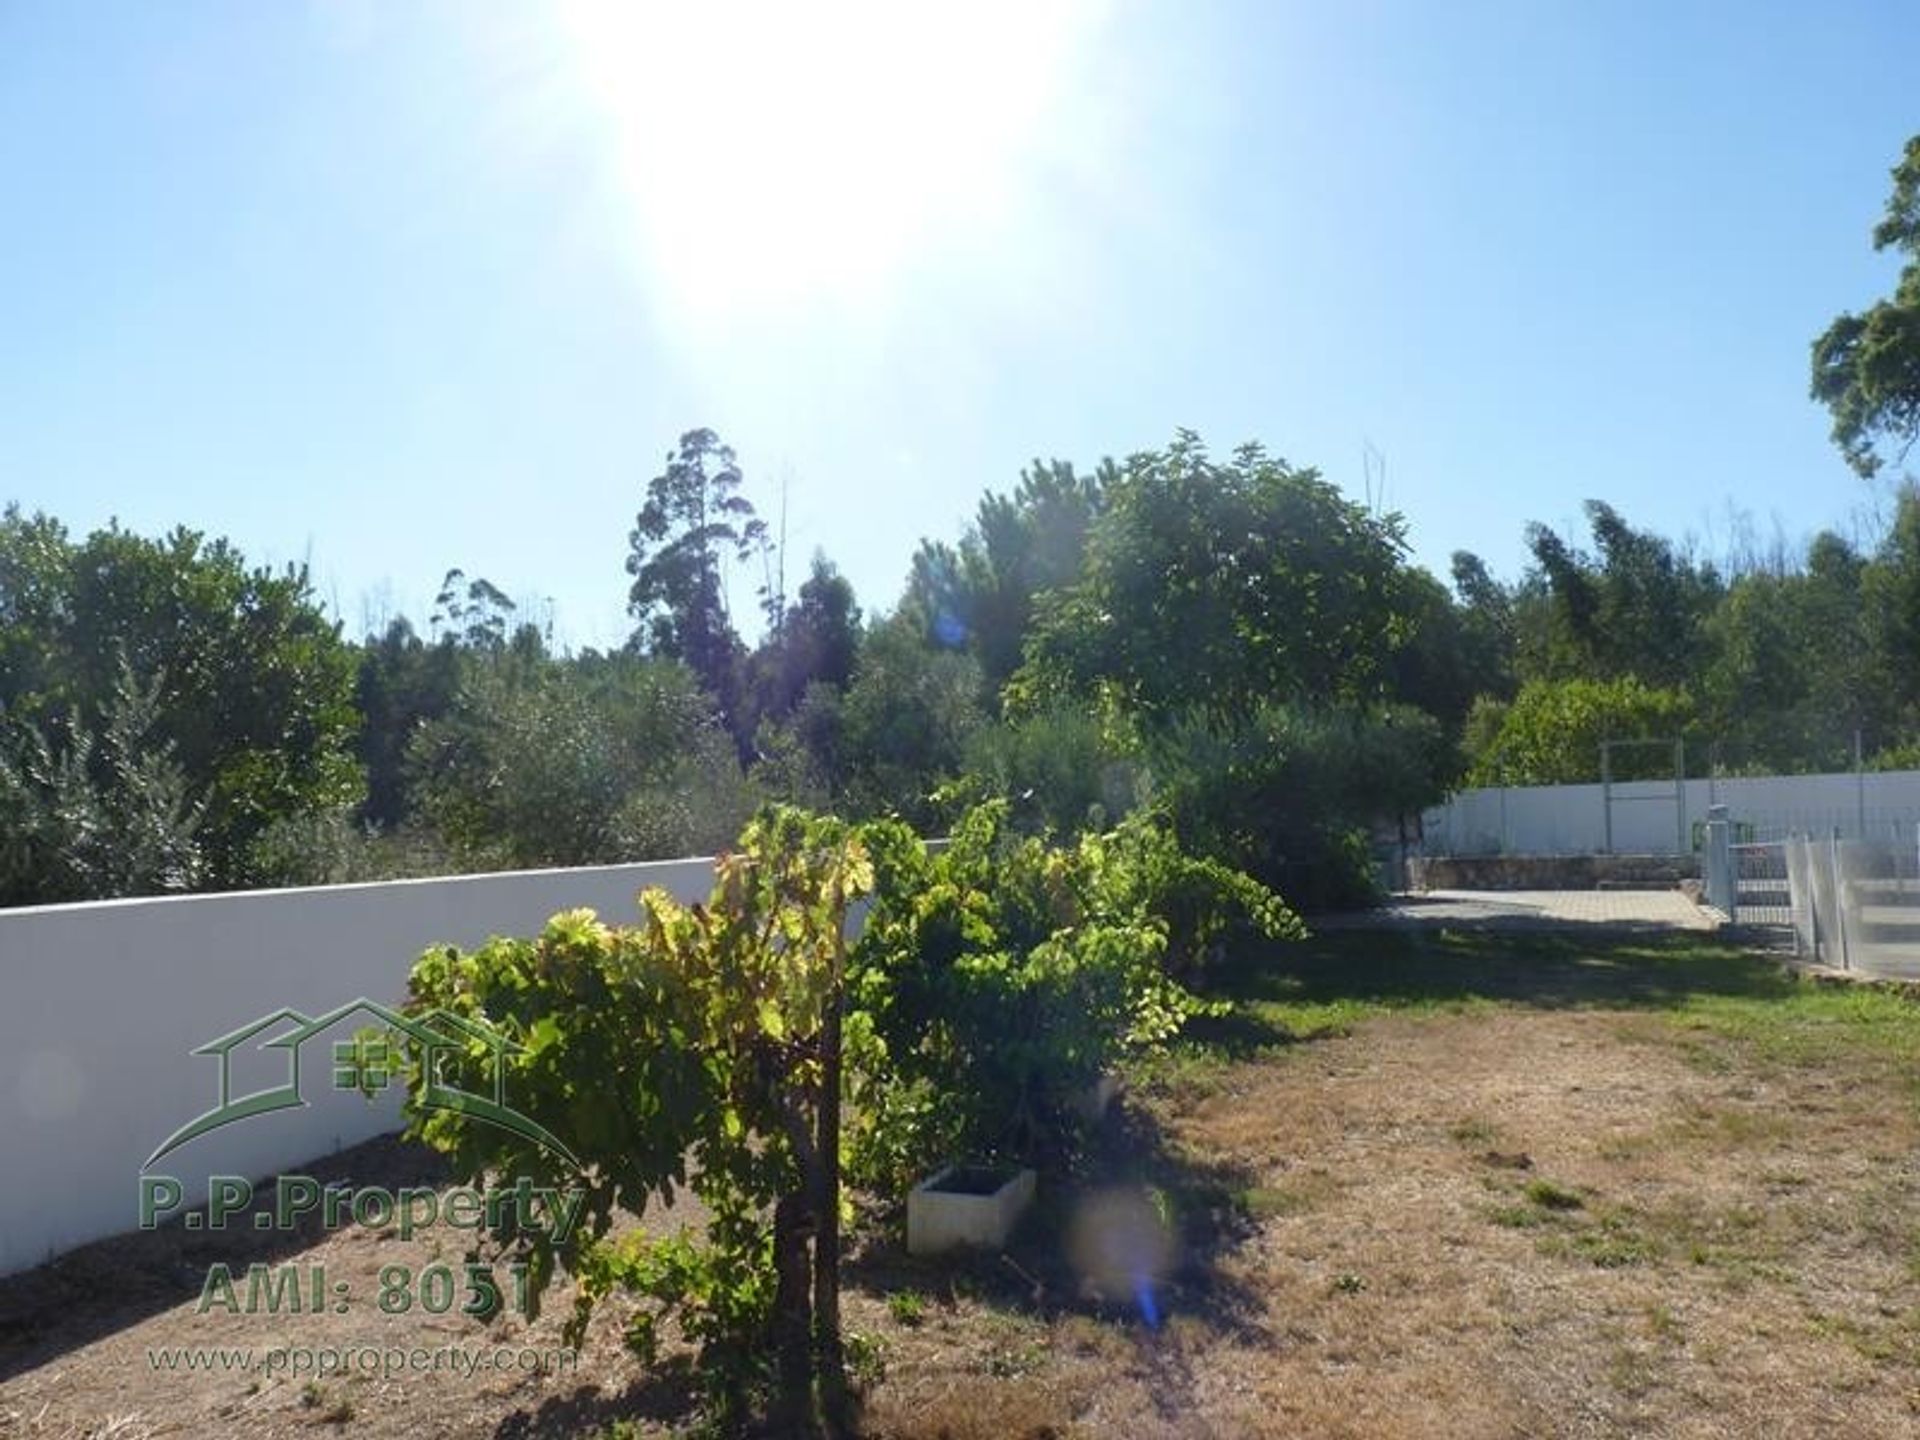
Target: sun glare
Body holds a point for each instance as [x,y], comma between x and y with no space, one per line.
[784,155]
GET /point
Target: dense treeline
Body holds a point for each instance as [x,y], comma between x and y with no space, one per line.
[175,719]
[1788,662]
[1231,643]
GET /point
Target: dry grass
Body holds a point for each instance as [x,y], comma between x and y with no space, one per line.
[1510,1187]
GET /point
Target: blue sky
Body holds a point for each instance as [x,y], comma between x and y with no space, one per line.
[394,288]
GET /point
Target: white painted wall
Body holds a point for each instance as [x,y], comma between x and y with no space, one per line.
[1571,819]
[100,1005]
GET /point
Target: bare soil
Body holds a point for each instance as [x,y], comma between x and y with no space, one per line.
[1504,1221]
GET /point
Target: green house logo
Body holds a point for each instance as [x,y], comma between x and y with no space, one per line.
[442,1044]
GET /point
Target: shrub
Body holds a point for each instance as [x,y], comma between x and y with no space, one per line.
[1059,768]
[251,685]
[1550,733]
[1202,902]
[1000,978]
[610,759]
[693,1051]
[902,728]
[1287,796]
[333,847]
[106,813]
[702,1050]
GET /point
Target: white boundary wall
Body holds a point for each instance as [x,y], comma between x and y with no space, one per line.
[101,1005]
[1571,819]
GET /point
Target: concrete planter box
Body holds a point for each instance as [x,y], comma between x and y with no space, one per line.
[966,1205]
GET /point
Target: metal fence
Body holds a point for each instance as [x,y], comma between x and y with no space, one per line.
[1894,826]
[1851,902]
[1762,888]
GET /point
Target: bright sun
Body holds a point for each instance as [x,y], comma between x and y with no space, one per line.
[780,155]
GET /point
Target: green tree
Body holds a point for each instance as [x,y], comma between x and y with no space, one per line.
[1790,671]
[36,581]
[980,595]
[1866,367]
[1636,608]
[1550,733]
[254,684]
[1448,656]
[475,613]
[1890,596]
[1489,624]
[403,684]
[595,760]
[96,814]
[694,518]
[802,759]
[815,641]
[1215,587]
[902,729]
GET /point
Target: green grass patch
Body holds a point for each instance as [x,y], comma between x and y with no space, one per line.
[1186,1073]
[908,1307]
[1295,1197]
[1742,1243]
[1810,1024]
[1720,1004]
[1549,1196]
[1341,976]
[1611,1242]
[1517,1217]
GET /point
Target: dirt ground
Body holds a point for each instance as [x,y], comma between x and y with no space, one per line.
[1502,1219]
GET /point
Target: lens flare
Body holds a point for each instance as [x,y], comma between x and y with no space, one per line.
[1120,1244]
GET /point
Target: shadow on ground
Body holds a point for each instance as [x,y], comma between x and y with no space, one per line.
[1287,994]
[667,1393]
[1132,1164]
[111,1284]
[1451,968]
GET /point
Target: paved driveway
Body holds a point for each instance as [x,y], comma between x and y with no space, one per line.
[1535,910]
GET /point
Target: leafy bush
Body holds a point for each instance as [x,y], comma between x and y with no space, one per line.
[1550,733]
[903,725]
[606,759]
[107,813]
[1201,901]
[703,1049]
[1060,769]
[785,766]
[333,847]
[1286,796]
[251,686]
[1903,755]
[694,1051]
[1001,977]
[323,847]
